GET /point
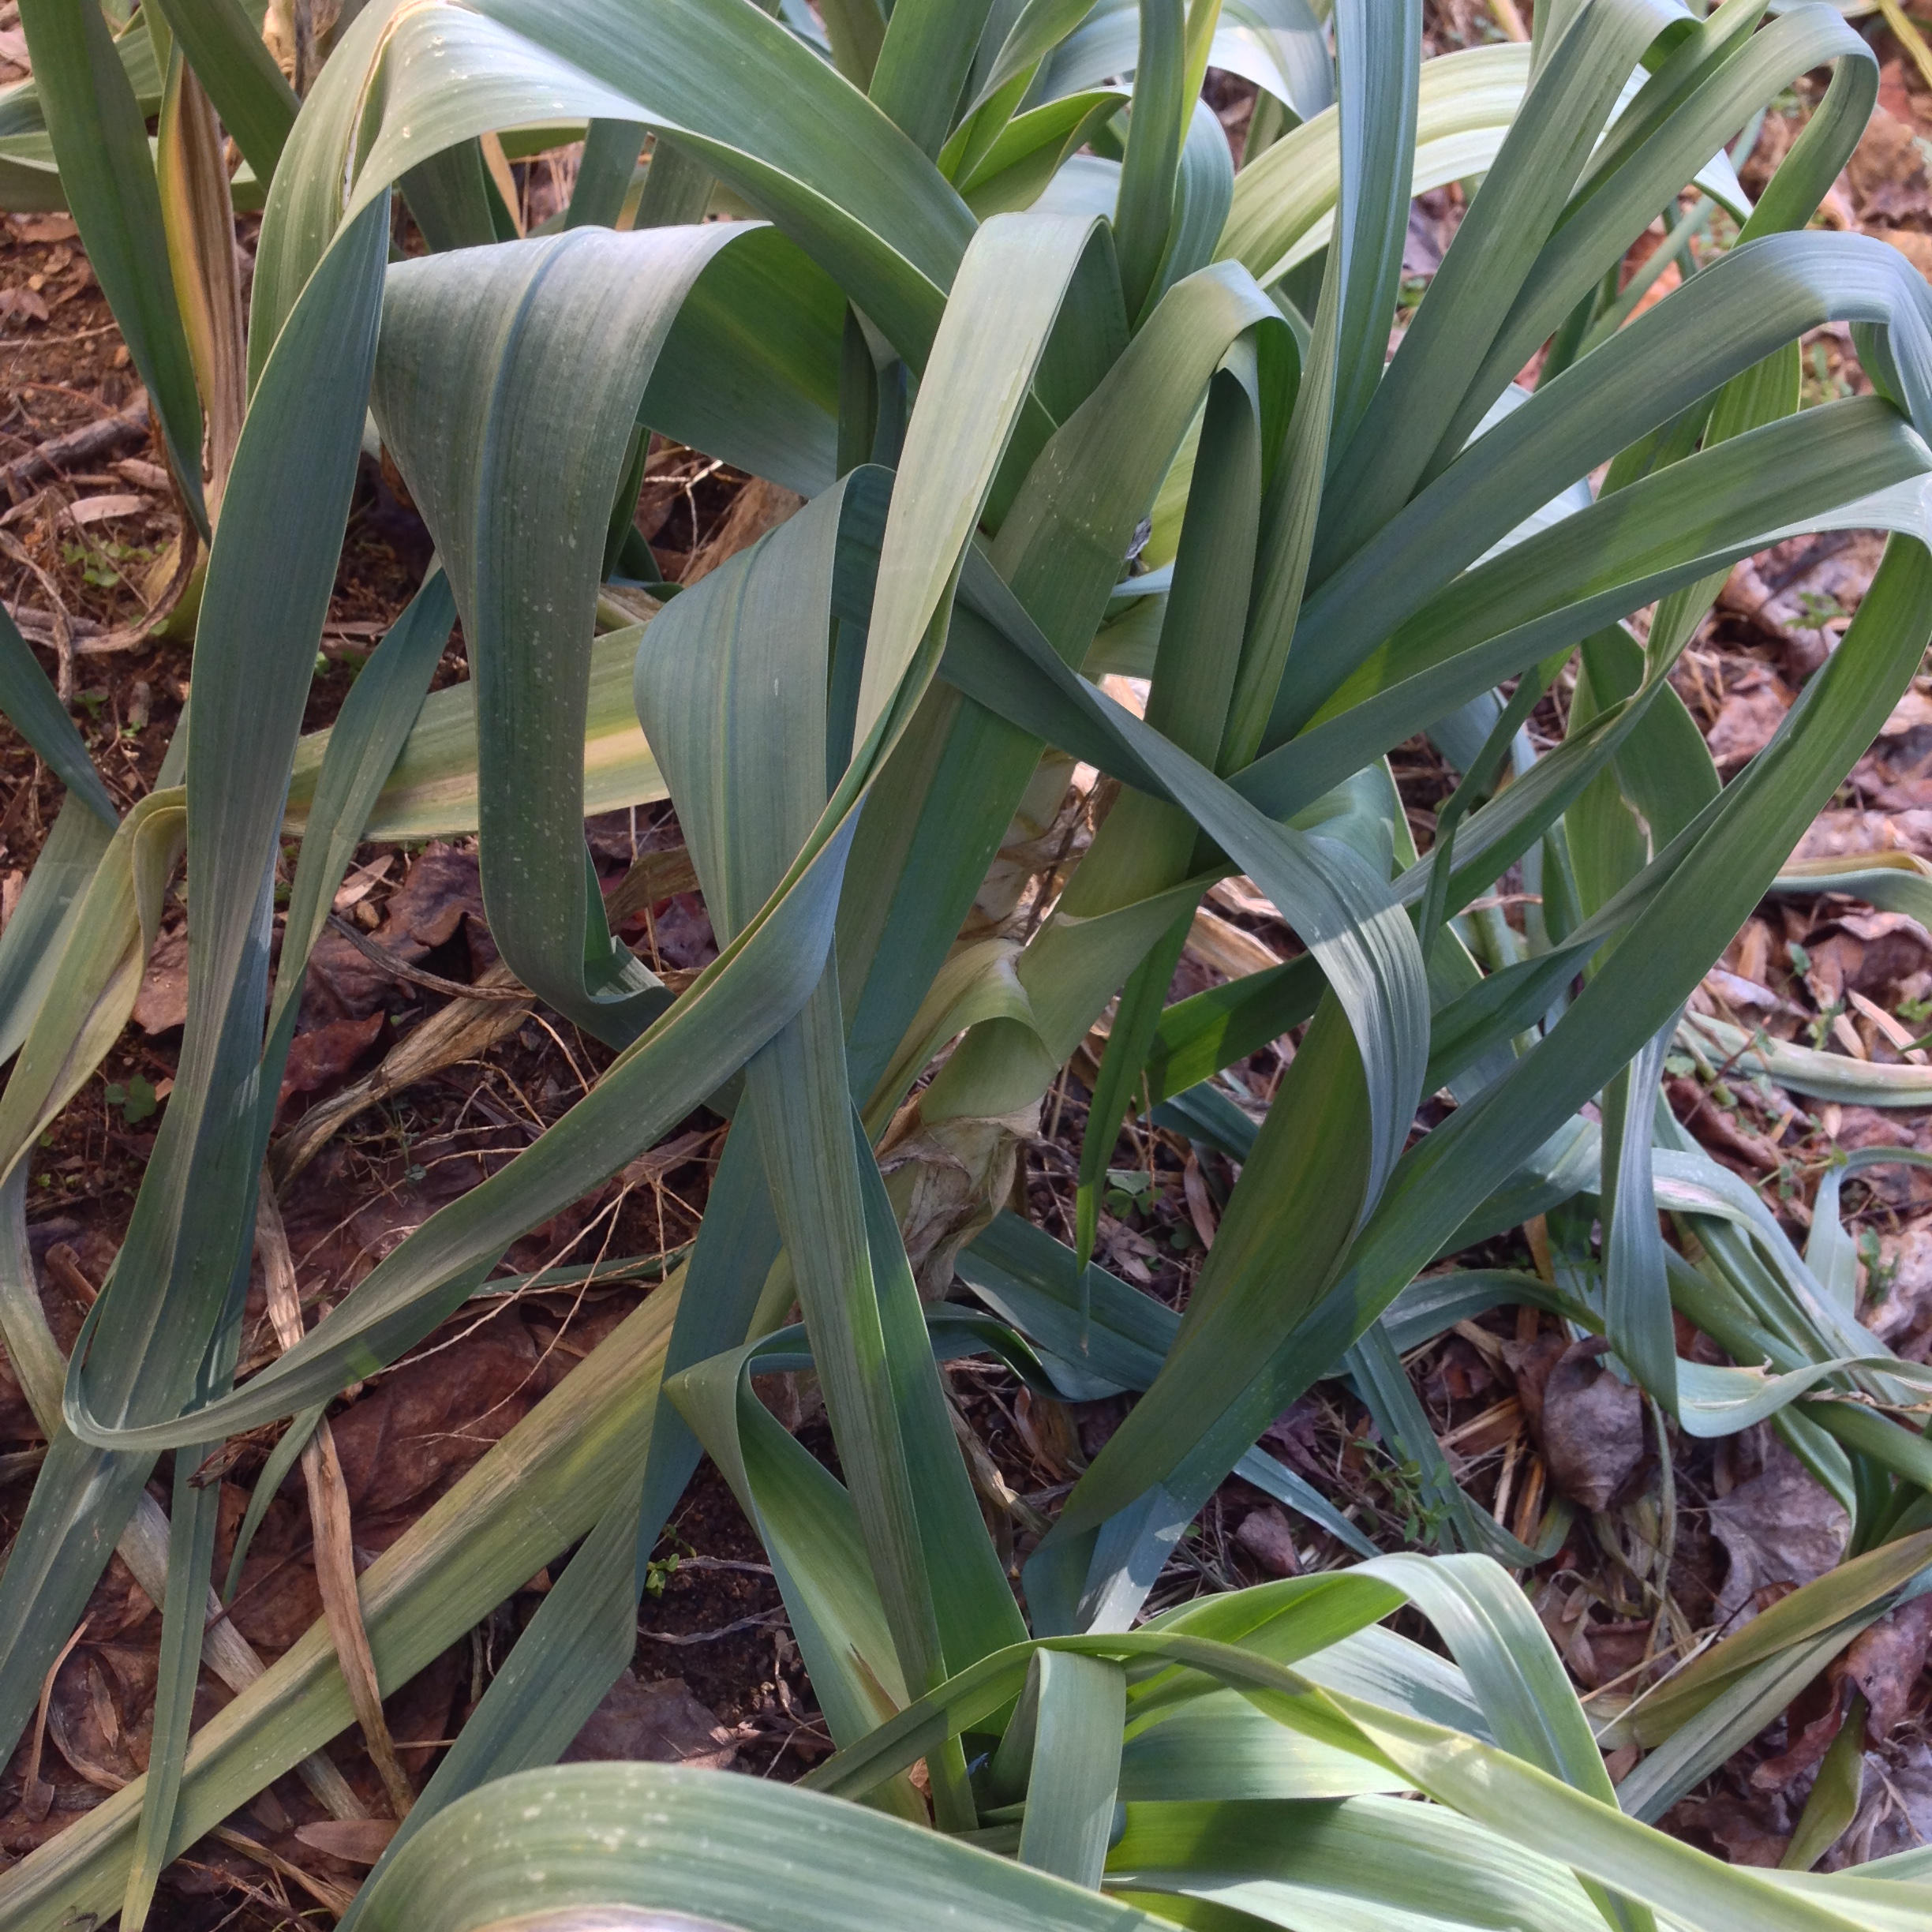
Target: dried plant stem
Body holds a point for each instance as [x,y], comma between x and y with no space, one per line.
[329,1512]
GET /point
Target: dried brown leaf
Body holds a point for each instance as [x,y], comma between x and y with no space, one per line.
[1592,1426]
[327,1053]
[1886,1661]
[658,1722]
[328,1511]
[358,1841]
[1266,1536]
[162,1003]
[1752,711]
[1778,1528]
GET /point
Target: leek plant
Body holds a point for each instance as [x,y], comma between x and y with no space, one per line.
[1067,394]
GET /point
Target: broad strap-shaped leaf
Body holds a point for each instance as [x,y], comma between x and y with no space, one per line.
[810,1529]
[36,936]
[1671,529]
[603,175]
[1096,1335]
[1019,269]
[1715,880]
[1135,882]
[1838,725]
[108,179]
[741,724]
[760,979]
[1724,321]
[1075,1766]
[1376,126]
[1615,201]
[584,1632]
[1157,129]
[820,159]
[512,1732]
[96,965]
[1637,1310]
[1495,1788]
[532,1495]
[923,63]
[31,707]
[688,1054]
[255,103]
[506,384]
[261,616]
[1315,1866]
[1060,542]
[1323,889]
[371,727]
[759,1854]
[1378,61]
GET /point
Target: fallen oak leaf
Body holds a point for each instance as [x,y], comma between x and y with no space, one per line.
[1779,1528]
[433,1414]
[62,1730]
[1882,1666]
[357,1841]
[441,891]
[105,509]
[1591,1426]
[654,1723]
[443,885]
[162,1003]
[1886,1661]
[22,302]
[1807,1749]
[1266,1535]
[326,1052]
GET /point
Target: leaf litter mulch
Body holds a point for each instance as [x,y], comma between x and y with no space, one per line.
[401,1095]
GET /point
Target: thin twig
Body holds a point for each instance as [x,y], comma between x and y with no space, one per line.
[399,968]
[54,342]
[763,1620]
[60,623]
[77,446]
